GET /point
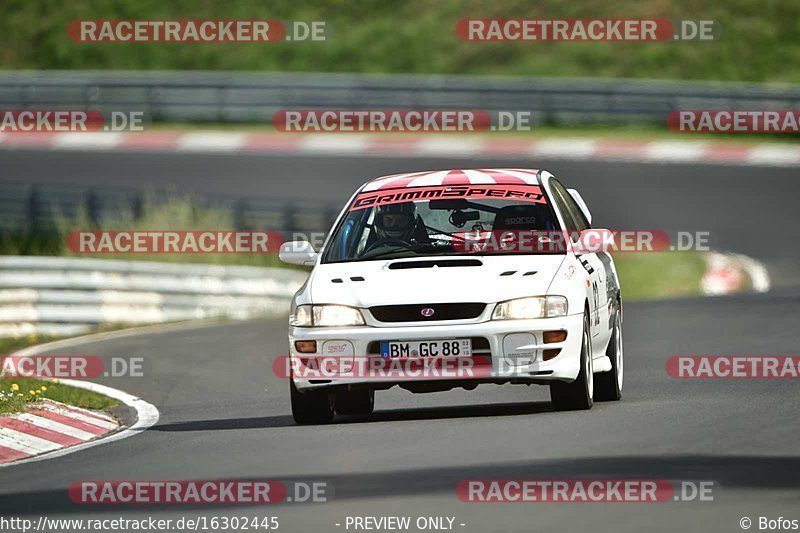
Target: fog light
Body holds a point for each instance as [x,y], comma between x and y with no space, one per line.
[555,336]
[305,346]
[550,354]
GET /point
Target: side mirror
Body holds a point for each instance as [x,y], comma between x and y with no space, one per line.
[594,240]
[298,253]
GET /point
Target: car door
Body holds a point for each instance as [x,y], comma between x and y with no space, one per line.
[594,265]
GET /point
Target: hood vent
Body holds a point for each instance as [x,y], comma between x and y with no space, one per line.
[512,272]
[442,263]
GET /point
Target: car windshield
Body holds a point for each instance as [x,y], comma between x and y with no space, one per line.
[436,221]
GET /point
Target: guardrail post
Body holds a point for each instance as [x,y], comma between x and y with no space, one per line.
[93,207]
[137,205]
[288,217]
[239,209]
[329,213]
[33,208]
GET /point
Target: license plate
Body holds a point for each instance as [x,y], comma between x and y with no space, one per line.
[442,348]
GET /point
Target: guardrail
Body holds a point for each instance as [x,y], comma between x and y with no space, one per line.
[65,296]
[255,97]
[43,207]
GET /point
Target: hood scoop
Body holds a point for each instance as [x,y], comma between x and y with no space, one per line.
[441,263]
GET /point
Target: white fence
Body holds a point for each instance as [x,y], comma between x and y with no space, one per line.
[64,296]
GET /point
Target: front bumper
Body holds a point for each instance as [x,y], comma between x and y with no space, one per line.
[513,347]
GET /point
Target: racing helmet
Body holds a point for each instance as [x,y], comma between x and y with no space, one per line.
[395,221]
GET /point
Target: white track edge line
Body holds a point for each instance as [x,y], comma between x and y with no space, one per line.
[147,414]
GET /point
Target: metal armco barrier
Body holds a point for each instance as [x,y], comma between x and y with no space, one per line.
[61,296]
[255,97]
[46,207]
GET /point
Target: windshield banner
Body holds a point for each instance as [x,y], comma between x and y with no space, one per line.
[522,193]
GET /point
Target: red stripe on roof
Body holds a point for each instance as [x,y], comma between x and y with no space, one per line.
[503,178]
[455,177]
[403,182]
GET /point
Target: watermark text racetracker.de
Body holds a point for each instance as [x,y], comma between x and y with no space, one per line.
[583,490]
[586,30]
[548,241]
[70,121]
[733,367]
[426,366]
[198,492]
[587,241]
[72,366]
[381,120]
[196,31]
[734,121]
[174,242]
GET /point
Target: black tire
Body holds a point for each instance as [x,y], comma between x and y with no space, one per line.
[354,402]
[311,407]
[608,385]
[578,394]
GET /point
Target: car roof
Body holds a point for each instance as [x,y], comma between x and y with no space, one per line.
[477,176]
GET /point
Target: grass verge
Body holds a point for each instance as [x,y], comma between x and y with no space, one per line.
[18,393]
[660,275]
[32,390]
[758,41]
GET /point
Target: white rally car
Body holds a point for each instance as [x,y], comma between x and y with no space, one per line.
[455,264]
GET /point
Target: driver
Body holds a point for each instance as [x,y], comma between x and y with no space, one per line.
[395,222]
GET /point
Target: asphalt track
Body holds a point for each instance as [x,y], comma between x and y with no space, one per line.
[224,415]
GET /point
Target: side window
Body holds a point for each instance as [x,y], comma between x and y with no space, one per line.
[563,208]
[575,212]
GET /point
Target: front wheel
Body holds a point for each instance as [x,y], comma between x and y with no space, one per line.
[578,394]
[311,407]
[354,402]
[609,384]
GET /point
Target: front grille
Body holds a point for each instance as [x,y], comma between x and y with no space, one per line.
[427,312]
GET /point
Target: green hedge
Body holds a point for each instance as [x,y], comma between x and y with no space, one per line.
[759,40]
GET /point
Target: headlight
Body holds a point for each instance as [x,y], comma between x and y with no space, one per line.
[533,307]
[301,317]
[326,316]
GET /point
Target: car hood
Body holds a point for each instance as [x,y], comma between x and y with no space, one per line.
[385,282]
